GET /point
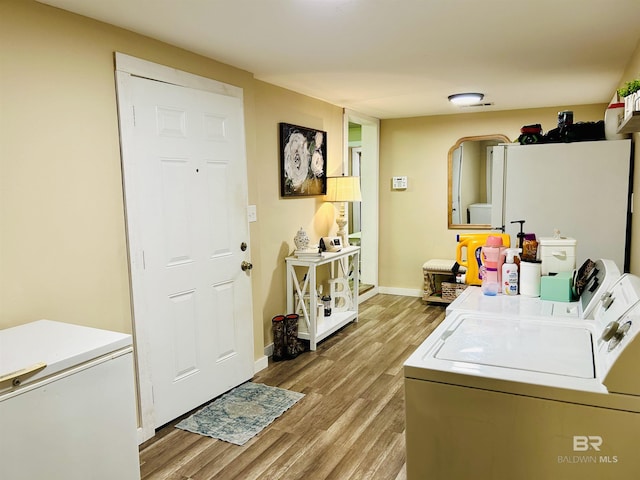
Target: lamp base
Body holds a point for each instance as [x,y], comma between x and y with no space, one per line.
[341,221]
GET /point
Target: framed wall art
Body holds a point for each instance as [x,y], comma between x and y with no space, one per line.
[303,156]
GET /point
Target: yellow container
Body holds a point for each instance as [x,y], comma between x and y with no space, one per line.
[468,253]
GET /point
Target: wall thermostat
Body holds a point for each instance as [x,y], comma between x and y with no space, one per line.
[399,183]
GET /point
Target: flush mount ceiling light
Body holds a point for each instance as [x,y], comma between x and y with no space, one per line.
[466,98]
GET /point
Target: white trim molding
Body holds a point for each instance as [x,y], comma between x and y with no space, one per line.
[405,292]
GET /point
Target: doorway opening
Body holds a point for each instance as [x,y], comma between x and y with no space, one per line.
[361,159]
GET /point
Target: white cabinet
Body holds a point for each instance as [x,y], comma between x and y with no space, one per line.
[302,293]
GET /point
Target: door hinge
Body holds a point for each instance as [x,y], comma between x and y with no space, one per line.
[133,112]
[144,263]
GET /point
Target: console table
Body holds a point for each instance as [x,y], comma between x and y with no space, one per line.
[302,293]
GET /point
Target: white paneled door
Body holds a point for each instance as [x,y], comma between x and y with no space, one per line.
[185,180]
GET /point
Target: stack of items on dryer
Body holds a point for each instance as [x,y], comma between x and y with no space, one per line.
[541,272]
[547,267]
[599,280]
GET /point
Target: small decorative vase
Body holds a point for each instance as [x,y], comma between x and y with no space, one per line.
[301,240]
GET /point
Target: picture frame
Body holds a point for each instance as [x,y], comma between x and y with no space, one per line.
[303,161]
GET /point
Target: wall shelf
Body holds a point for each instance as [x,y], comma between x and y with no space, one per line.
[630,124]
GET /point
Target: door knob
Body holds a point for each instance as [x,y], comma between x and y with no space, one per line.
[246,266]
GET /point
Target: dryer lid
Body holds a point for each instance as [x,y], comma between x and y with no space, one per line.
[520,344]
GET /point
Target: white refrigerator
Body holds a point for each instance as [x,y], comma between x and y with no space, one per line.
[582,189]
[67,403]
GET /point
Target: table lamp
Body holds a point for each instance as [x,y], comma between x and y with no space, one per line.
[341,190]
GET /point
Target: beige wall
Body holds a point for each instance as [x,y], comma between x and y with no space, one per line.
[63,250]
[279,219]
[413,222]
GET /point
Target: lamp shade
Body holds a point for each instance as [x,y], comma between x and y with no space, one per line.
[343,189]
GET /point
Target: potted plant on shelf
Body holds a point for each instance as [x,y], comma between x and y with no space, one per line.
[631,95]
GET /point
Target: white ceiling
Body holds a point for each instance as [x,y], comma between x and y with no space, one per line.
[402,58]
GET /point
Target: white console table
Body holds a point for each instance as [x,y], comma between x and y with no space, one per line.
[302,291]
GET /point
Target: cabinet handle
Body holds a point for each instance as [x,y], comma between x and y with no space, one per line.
[14,376]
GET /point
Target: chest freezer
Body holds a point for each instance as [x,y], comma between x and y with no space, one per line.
[67,403]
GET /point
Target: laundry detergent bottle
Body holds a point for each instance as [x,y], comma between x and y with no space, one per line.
[491,265]
[510,272]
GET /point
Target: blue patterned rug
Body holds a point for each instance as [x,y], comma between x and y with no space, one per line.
[242,413]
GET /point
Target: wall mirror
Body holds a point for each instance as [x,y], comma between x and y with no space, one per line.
[469,181]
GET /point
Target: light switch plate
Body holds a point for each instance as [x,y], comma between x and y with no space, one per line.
[252,213]
[400,183]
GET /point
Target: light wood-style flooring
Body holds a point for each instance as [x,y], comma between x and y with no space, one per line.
[349,425]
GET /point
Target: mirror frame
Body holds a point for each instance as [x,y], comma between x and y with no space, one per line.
[466,226]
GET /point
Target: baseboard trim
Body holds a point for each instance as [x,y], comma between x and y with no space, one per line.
[367,295]
[261,363]
[405,292]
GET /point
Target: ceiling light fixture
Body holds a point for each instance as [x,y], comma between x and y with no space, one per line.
[466,98]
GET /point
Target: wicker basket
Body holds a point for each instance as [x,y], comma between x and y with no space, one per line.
[450,291]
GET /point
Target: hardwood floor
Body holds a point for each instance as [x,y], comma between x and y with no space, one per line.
[349,425]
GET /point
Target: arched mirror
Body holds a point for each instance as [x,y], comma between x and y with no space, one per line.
[469,181]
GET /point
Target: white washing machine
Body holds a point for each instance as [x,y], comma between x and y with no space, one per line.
[496,397]
[602,277]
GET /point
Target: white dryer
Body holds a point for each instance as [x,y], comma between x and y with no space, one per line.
[528,397]
[602,277]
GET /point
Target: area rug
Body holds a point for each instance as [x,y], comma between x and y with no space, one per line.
[242,413]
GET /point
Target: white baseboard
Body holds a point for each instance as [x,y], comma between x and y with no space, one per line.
[261,363]
[405,292]
[367,295]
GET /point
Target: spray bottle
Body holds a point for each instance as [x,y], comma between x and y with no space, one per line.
[510,272]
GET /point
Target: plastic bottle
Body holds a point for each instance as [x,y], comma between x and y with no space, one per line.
[469,253]
[491,271]
[510,272]
[530,273]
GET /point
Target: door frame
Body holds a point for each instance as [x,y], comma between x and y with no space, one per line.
[369,184]
[127,67]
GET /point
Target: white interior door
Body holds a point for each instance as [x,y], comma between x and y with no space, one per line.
[185,184]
